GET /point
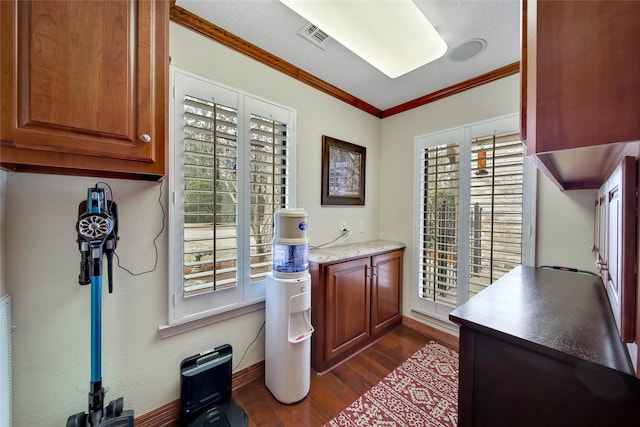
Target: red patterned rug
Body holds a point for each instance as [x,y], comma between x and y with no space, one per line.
[422,391]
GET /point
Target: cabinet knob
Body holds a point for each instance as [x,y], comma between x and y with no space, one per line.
[145,137]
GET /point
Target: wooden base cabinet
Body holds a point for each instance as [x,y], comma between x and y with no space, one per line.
[85,87]
[354,302]
[540,348]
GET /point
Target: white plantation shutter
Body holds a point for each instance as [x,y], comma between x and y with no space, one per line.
[210,196]
[496,208]
[231,170]
[469,213]
[269,180]
[438,229]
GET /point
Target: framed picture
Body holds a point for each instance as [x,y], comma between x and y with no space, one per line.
[343,166]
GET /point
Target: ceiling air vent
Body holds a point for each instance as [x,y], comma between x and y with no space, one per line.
[315,35]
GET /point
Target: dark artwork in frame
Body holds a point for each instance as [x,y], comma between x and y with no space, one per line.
[343,172]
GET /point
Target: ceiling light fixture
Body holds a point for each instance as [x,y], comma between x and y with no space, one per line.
[393,36]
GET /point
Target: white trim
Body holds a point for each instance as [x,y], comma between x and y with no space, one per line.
[439,322]
[185,313]
[530,183]
[463,135]
[205,319]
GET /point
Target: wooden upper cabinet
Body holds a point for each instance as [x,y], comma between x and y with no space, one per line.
[580,75]
[85,87]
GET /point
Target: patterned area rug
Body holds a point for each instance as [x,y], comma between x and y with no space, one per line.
[422,391]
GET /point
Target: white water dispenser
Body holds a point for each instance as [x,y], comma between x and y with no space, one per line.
[288,310]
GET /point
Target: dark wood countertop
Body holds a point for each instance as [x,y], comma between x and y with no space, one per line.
[562,314]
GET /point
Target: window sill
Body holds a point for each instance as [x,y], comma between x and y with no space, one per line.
[186,325]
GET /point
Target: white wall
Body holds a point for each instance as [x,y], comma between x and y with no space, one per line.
[51,342]
[51,311]
[565,223]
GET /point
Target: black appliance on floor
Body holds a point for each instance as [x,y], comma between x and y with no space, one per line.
[205,390]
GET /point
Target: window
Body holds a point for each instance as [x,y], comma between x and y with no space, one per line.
[231,169]
[472,213]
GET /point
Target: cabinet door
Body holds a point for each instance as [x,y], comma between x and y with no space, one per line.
[581,87]
[386,291]
[347,306]
[620,240]
[583,82]
[86,85]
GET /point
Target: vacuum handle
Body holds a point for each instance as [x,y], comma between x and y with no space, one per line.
[109,253]
[85,273]
[112,241]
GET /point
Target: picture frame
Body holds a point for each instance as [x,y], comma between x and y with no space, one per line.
[343,172]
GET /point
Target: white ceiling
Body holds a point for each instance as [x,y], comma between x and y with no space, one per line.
[274,27]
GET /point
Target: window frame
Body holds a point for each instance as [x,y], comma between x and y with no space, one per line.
[464,135]
[246,296]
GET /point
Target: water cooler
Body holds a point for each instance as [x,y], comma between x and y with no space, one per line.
[288,310]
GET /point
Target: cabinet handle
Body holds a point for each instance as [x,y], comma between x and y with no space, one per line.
[145,137]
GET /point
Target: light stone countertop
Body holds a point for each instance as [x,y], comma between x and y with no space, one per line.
[352,250]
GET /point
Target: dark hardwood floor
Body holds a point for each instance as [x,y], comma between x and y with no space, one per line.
[332,392]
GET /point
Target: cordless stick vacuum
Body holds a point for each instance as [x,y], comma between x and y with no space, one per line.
[97,229]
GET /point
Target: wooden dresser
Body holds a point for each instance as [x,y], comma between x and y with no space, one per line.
[541,347]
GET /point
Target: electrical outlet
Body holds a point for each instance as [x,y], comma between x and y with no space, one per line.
[362,226]
[343,226]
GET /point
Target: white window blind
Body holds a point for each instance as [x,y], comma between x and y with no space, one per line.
[470,212]
[269,183]
[231,168]
[210,196]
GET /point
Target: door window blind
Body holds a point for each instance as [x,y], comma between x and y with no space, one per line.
[438,230]
[470,212]
[496,208]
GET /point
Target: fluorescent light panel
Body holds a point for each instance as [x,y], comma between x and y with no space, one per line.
[392,35]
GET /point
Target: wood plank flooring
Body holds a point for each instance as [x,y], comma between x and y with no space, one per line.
[332,392]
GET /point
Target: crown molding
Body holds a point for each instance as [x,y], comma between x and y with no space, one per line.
[205,28]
